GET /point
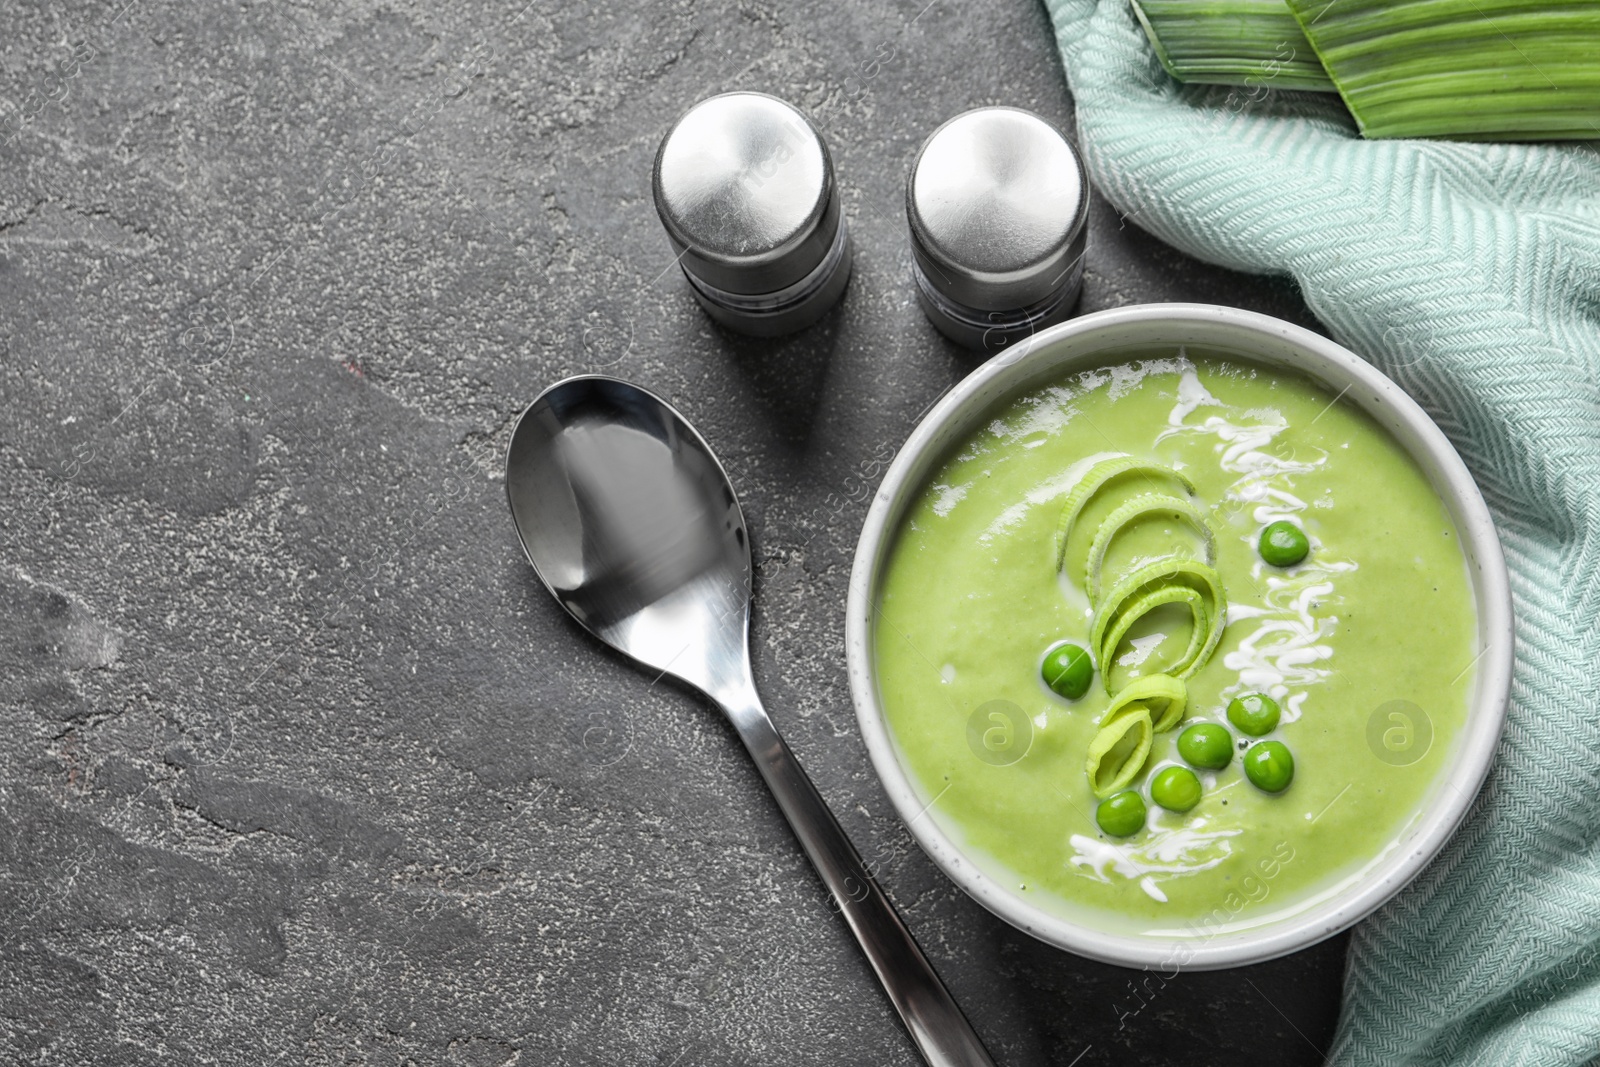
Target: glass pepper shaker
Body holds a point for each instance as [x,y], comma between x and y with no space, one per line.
[997,201]
[745,188]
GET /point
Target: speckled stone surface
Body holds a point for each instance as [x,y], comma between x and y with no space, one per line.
[300,763]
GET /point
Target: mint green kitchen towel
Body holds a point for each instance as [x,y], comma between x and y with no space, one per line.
[1471,275]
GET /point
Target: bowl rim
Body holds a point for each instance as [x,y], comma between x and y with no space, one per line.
[1329,364]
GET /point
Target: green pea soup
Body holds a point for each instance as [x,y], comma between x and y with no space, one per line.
[1367,645]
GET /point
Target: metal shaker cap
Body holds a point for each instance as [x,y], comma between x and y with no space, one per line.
[997,200]
[744,186]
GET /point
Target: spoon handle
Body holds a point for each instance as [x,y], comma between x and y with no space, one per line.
[942,1034]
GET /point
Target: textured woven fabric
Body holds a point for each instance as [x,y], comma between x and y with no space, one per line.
[1471,275]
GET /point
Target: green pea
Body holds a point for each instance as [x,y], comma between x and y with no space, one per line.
[1121,814]
[1175,788]
[1206,745]
[1253,713]
[1283,544]
[1269,765]
[1068,670]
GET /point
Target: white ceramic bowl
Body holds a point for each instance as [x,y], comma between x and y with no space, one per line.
[1093,340]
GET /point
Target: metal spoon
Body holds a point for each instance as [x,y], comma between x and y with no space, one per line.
[632,525]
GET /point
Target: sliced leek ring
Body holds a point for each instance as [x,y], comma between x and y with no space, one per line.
[1130,511]
[1142,605]
[1119,750]
[1091,483]
[1165,697]
[1173,570]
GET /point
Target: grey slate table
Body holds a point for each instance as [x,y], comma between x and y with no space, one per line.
[299,763]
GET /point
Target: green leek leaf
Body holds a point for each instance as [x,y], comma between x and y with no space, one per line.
[1489,70]
[1232,42]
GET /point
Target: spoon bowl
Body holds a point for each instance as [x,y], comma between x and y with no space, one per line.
[633,526]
